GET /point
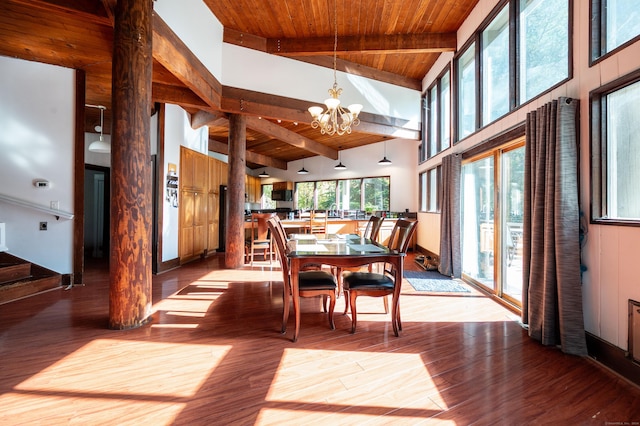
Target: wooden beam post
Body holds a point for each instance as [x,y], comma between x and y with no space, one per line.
[234,251]
[131,202]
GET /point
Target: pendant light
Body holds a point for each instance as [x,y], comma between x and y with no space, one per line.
[385,161]
[303,171]
[340,166]
[100,145]
[264,174]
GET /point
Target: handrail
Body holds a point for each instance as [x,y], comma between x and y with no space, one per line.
[28,204]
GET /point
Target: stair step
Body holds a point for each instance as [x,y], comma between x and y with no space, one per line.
[10,272]
[24,288]
[20,278]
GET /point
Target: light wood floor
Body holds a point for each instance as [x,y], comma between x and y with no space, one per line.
[213,355]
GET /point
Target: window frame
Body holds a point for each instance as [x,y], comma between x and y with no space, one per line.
[515,102]
[436,87]
[598,150]
[597,31]
[337,194]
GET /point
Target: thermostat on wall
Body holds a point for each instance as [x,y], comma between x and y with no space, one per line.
[39,183]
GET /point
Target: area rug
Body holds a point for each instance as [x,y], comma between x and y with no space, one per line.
[434,282]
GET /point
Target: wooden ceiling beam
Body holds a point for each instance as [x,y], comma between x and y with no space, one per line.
[240,101]
[364,44]
[182,96]
[175,56]
[206,118]
[251,157]
[292,138]
[249,41]
[87,10]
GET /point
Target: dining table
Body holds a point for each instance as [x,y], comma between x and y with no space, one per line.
[341,251]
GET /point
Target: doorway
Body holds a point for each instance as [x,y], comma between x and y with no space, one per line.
[492,217]
[97,208]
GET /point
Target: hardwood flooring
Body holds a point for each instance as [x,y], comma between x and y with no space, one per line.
[213,354]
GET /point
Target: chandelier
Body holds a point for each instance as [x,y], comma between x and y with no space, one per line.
[335,119]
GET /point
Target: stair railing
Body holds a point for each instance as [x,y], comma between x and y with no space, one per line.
[33,206]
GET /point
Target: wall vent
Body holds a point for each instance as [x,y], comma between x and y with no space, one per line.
[634,330]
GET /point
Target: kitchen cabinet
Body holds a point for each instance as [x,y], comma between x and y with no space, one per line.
[194,183]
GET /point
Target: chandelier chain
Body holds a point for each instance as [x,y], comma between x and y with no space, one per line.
[336,119]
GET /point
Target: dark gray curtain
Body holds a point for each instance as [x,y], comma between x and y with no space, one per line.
[552,293]
[450,257]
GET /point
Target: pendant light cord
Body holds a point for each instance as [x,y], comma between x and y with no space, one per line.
[335,43]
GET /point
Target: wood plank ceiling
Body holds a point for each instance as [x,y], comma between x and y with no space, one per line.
[395,41]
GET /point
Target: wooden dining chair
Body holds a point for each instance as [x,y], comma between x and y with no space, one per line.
[311,283]
[260,239]
[371,231]
[318,222]
[380,284]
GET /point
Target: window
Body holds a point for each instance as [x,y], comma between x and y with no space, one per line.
[495,68]
[520,52]
[613,23]
[616,152]
[347,194]
[439,101]
[491,228]
[429,190]
[466,66]
[267,202]
[542,63]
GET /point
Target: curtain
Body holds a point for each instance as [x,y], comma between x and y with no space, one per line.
[552,293]
[450,258]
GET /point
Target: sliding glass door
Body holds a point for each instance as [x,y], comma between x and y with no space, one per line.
[492,203]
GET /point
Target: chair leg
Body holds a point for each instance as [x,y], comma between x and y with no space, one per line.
[354,314]
[285,309]
[386,304]
[346,302]
[332,305]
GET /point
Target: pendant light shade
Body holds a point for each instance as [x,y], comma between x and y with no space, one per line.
[340,166]
[303,171]
[264,174]
[385,161]
[100,146]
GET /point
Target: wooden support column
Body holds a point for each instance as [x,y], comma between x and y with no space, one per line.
[234,251]
[131,201]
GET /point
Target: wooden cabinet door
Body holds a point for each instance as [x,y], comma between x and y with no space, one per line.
[199,223]
[213,221]
[186,224]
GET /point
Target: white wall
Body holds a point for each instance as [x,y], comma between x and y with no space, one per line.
[197,27]
[261,72]
[177,132]
[611,252]
[37,120]
[363,162]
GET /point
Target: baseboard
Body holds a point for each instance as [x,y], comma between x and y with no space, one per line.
[613,358]
[168,265]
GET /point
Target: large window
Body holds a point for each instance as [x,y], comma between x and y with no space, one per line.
[495,68]
[616,152]
[492,191]
[613,23]
[467,123]
[519,53]
[438,99]
[362,194]
[429,190]
[542,63]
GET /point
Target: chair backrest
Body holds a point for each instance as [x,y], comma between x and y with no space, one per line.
[280,228]
[373,228]
[281,246]
[318,222]
[401,235]
[259,228]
